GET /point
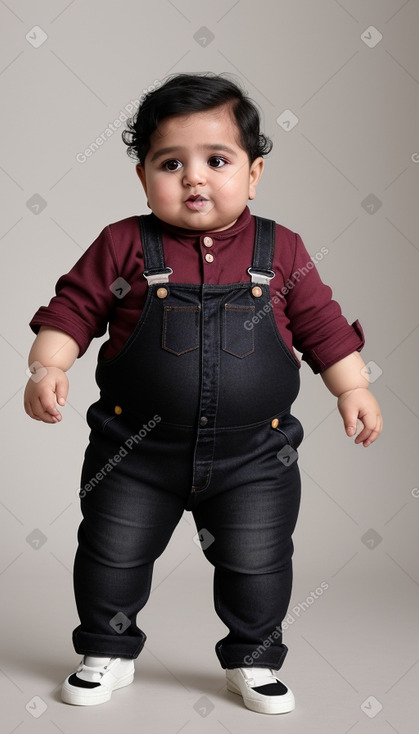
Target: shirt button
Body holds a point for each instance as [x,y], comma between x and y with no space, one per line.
[118,409]
[209,258]
[161,292]
[208,242]
[257,292]
[204,420]
[275,423]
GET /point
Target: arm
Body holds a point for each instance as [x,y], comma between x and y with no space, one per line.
[52,353]
[345,380]
[75,315]
[84,300]
[328,343]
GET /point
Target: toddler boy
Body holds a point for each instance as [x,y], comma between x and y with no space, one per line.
[205,304]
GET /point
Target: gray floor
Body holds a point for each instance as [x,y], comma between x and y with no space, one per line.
[352,661]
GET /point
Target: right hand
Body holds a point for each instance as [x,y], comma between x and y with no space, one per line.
[41,397]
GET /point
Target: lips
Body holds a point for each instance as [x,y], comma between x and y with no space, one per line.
[196,202]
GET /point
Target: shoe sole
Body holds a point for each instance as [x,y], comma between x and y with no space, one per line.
[263,707]
[81,697]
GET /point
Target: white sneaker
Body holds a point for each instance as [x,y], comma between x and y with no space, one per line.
[88,686]
[261,689]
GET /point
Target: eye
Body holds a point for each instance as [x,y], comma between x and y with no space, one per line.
[171,165]
[217,162]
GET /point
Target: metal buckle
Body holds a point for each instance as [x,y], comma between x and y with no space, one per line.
[161,277]
[262,278]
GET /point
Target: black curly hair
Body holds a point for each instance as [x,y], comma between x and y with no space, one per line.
[184,93]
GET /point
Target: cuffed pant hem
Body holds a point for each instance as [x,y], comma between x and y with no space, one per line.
[244,656]
[126,646]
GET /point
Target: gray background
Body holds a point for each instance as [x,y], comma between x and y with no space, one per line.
[355,647]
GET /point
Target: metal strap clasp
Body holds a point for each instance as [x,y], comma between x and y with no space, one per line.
[260,277]
[162,276]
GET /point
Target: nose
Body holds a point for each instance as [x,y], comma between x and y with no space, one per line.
[194,175]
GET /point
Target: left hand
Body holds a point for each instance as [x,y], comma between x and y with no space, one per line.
[360,404]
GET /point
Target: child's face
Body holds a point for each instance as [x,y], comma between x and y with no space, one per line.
[198,154]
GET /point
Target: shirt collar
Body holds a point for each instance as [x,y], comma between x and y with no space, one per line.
[241,223]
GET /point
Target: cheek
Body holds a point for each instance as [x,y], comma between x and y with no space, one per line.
[235,185]
[162,190]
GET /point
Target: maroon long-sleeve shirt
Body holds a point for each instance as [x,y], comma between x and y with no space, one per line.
[306,315]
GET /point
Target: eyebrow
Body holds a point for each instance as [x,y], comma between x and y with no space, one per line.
[181,148]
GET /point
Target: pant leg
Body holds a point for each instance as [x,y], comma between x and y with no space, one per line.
[128,519]
[251,511]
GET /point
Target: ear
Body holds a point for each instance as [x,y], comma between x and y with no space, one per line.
[255,173]
[141,175]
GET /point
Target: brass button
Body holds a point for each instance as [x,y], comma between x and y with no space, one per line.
[209,258]
[204,420]
[257,292]
[161,292]
[118,409]
[275,423]
[208,242]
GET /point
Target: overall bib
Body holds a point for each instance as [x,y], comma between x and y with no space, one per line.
[194,414]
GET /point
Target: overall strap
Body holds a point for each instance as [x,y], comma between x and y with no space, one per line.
[155,270]
[263,251]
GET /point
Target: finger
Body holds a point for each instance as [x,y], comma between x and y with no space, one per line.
[349,421]
[369,434]
[45,414]
[373,435]
[61,390]
[48,405]
[29,411]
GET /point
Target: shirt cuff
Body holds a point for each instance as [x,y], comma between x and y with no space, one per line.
[73,330]
[354,341]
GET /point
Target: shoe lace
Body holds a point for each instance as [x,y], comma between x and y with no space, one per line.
[261,677]
[93,669]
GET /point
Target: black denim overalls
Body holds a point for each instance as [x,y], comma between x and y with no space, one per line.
[194,414]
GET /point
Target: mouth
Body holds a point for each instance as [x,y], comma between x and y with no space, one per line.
[196,201]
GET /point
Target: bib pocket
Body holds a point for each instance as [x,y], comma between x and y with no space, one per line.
[180,329]
[236,338]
